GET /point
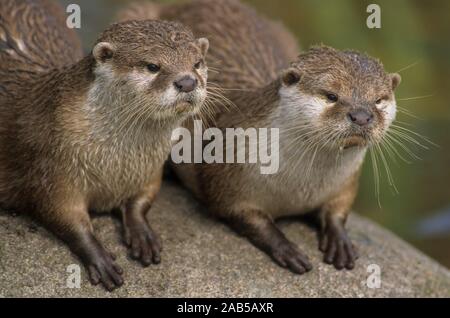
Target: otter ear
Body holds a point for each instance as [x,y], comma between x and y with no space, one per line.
[291,76]
[203,43]
[103,51]
[396,80]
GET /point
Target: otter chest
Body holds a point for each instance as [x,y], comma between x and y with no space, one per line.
[307,185]
[112,175]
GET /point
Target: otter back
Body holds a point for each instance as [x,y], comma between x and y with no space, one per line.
[248,50]
[34,39]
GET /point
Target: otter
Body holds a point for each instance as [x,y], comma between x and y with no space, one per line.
[92,134]
[330,106]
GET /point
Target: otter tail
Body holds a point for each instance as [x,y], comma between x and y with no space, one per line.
[34,39]
[140,11]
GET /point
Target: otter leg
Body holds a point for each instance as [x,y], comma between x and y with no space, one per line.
[264,234]
[73,226]
[334,240]
[143,242]
[335,243]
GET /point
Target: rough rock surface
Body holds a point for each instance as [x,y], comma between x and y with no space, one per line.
[203,258]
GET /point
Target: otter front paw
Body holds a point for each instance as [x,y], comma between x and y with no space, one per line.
[103,269]
[338,248]
[144,243]
[99,262]
[288,255]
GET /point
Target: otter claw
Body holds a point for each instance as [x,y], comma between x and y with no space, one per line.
[144,244]
[338,249]
[290,256]
[104,270]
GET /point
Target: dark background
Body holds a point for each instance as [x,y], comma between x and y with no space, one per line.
[415,40]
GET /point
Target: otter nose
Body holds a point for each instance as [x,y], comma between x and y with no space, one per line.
[186,84]
[361,117]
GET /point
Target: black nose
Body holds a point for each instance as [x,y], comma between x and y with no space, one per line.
[361,117]
[186,84]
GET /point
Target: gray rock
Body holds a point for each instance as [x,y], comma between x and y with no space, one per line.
[203,258]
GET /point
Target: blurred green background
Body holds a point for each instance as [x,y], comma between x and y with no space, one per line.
[414,39]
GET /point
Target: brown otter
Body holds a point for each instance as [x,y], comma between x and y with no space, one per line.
[329,106]
[92,134]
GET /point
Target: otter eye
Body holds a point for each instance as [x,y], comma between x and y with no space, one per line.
[153,68]
[332,98]
[198,65]
[379,101]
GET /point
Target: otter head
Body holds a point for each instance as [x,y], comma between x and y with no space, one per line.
[153,68]
[342,97]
